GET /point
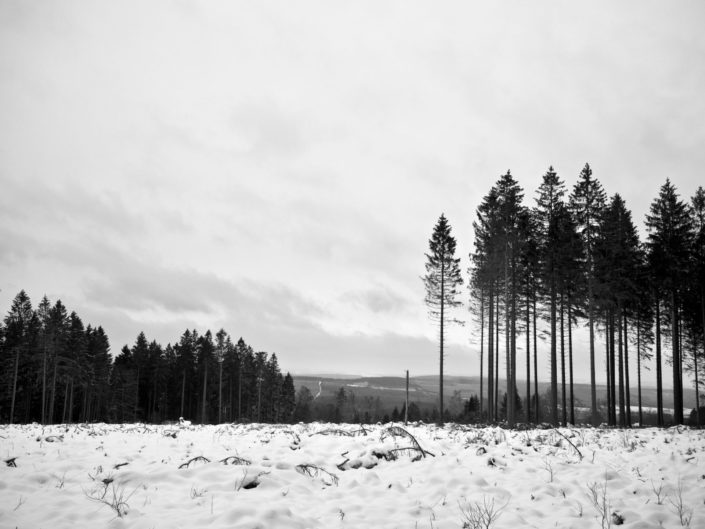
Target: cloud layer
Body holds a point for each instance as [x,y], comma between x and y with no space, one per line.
[276,169]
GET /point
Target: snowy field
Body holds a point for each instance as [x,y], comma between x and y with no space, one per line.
[324,475]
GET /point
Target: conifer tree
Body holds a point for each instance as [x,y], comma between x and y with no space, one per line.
[669,242]
[442,281]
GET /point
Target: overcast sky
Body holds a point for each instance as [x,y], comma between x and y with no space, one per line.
[276,168]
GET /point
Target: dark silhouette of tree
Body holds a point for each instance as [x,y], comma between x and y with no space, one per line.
[669,244]
[442,281]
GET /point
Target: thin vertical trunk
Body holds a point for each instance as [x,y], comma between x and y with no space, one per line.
[496,363]
[14,383]
[53,393]
[44,386]
[514,347]
[482,351]
[536,369]
[593,382]
[490,356]
[570,363]
[259,398]
[440,381]
[695,355]
[66,402]
[677,385]
[137,396]
[406,404]
[239,392]
[620,349]
[71,402]
[509,409]
[607,369]
[659,381]
[564,405]
[528,360]
[220,392]
[183,392]
[554,358]
[613,370]
[638,369]
[205,386]
[628,400]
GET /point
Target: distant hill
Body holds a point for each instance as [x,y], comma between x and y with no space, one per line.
[424,389]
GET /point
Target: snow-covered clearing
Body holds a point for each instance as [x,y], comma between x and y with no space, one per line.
[325,475]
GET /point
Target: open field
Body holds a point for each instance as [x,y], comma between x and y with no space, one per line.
[326,475]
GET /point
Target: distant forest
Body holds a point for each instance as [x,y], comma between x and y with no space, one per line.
[56,370]
[541,270]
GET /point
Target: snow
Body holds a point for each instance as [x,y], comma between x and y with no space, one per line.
[327,475]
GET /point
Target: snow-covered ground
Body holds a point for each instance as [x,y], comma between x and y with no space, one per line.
[324,475]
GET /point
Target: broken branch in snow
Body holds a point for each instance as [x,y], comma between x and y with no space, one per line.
[194,460]
[234,460]
[571,442]
[11,462]
[314,471]
[398,431]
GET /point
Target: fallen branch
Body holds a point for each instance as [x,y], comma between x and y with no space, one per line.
[11,462]
[397,431]
[571,442]
[235,460]
[194,460]
[313,471]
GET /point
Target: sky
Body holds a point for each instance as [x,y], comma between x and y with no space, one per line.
[276,168]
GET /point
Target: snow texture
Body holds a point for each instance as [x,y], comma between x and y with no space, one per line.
[328,475]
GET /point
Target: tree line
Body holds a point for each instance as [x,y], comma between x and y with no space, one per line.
[574,257]
[56,370]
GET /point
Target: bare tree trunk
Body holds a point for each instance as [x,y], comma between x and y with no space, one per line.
[570,362]
[607,369]
[496,364]
[659,382]
[628,400]
[440,381]
[536,369]
[220,392]
[183,392]
[564,404]
[66,402]
[490,357]
[620,348]
[205,385]
[482,351]
[528,360]
[14,383]
[554,356]
[638,369]
[406,406]
[53,393]
[677,385]
[44,386]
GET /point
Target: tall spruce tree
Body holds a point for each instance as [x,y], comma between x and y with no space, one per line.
[549,204]
[669,242]
[587,202]
[442,282]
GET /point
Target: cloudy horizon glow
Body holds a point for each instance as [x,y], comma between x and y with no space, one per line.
[276,168]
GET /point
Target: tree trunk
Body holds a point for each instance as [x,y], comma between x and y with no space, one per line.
[593,382]
[490,356]
[554,358]
[613,369]
[496,363]
[406,405]
[220,392]
[659,382]
[53,394]
[205,386]
[607,369]
[507,344]
[440,381]
[536,369]
[620,348]
[638,369]
[183,393]
[528,360]
[570,363]
[44,386]
[628,400]
[564,404]
[482,351]
[677,385]
[14,383]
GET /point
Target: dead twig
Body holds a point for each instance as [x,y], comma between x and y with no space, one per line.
[195,460]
